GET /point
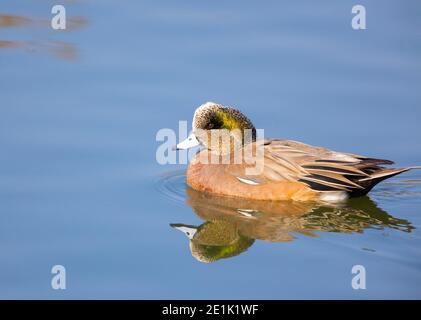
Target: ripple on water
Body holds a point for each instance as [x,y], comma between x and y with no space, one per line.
[173,185]
[408,189]
[282,221]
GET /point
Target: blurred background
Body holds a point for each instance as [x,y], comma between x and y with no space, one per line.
[80,108]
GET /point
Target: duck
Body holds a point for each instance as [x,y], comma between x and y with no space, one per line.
[272,169]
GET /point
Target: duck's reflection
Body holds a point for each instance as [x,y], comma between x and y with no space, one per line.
[232,225]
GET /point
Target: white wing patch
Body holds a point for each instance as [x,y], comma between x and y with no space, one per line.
[248,181]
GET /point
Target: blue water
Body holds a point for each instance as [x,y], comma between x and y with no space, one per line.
[80,185]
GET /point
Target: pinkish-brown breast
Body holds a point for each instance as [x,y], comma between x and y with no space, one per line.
[214,178]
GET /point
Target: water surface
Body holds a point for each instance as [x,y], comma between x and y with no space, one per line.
[80,186]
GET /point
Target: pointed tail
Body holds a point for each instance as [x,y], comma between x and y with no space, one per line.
[369,182]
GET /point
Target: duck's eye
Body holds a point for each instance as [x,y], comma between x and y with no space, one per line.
[210,125]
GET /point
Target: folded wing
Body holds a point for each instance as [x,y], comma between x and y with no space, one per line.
[319,168]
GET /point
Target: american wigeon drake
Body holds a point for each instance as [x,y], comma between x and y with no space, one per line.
[289,170]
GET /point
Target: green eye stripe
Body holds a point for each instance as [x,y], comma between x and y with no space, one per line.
[227,121]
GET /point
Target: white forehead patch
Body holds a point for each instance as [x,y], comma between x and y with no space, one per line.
[200,109]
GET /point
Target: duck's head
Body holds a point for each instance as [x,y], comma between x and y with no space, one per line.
[219,129]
